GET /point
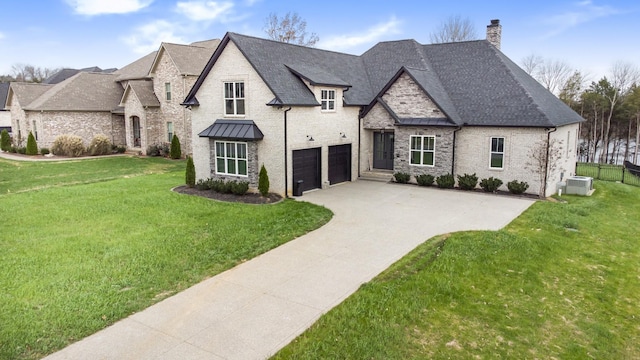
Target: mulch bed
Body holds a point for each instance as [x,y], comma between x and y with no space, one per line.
[249,198]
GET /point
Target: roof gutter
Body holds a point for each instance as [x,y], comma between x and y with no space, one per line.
[546,163]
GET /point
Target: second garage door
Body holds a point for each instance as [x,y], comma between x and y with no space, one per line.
[339,163]
[306,167]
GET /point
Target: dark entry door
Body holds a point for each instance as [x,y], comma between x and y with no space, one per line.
[383,150]
[306,167]
[135,126]
[339,163]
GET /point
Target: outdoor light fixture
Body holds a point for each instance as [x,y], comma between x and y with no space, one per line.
[309,138]
[342,135]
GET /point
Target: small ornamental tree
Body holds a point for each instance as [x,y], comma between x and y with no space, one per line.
[190,176]
[263,181]
[175,153]
[32,146]
[5,140]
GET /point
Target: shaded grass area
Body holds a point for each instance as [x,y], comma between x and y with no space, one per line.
[76,259]
[18,176]
[561,281]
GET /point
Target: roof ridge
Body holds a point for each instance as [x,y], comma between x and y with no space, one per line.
[290,44]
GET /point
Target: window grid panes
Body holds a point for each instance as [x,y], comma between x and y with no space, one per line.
[231,158]
[167,90]
[170,131]
[328,100]
[234,98]
[423,150]
[497,153]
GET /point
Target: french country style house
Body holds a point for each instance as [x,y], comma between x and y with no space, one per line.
[315,118]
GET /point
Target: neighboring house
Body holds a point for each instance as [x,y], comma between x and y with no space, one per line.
[5,114]
[136,106]
[324,117]
[81,105]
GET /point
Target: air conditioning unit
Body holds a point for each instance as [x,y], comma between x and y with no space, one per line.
[580,185]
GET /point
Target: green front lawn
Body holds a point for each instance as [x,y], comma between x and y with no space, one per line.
[104,238]
[560,282]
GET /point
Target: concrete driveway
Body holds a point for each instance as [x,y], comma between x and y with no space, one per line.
[258,307]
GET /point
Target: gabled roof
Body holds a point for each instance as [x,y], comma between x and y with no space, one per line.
[472,82]
[4,92]
[82,92]
[138,69]
[188,59]
[143,90]
[26,92]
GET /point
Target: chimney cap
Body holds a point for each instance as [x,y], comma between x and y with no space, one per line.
[495,22]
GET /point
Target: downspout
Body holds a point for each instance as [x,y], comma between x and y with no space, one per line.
[453,152]
[286,169]
[546,163]
[359,138]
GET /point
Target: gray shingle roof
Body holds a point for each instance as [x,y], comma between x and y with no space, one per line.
[66,73]
[82,92]
[144,92]
[472,82]
[4,92]
[28,92]
[189,59]
[233,130]
[138,69]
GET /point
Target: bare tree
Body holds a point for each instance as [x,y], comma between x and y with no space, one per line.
[553,74]
[454,29]
[531,64]
[30,73]
[290,28]
[544,160]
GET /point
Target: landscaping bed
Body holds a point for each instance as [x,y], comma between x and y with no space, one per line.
[248,198]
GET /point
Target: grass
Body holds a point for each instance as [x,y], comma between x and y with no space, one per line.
[104,238]
[607,172]
[560,282]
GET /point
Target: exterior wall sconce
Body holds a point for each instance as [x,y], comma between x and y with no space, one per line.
[342,135]
[309,138]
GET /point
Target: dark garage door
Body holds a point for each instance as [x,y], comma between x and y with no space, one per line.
[339,163]
[306,167]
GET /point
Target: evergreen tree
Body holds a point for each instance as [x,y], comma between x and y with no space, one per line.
[5,141]
[175,153]
[263,181]
[32,146]
[190,176]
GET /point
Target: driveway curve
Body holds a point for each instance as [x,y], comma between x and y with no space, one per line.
[258,307]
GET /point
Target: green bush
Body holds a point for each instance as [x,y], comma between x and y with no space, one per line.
[21,150]
[100,145]
[190,176]
[239,188]
[68,145]
[491,184]
[44,151]
[13,149]
[445,181]
[425,180]
[5,140]
[176,153]
[401,177]
[121,149]
[263,181]
[517,187]
[32,146]
[202,184]
[467,181]
[158,150]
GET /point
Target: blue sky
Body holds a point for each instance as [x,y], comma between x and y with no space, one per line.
[590,35]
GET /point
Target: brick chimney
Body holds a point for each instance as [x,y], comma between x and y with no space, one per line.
[494,33]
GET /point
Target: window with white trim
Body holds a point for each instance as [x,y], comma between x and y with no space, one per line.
[231,158]
[423,150]
[35,130]
[170,130]
[328,100]
[234,98]
[167,91]
[497,153]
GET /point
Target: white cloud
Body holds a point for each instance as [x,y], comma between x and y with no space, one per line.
[371,35]
[2,36]
[204,10]
[99,7]
[147,38]
[582,12]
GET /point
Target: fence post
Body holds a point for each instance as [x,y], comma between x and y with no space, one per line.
[598,171]
[623,170]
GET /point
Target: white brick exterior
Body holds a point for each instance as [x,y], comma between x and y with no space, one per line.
[324,127]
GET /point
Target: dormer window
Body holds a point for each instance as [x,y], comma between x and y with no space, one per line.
[234,98]
[328,100]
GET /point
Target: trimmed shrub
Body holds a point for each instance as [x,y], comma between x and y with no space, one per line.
[217,185]
[5,140]
[517,187]
[175,153]
[44,151]
[467,181]
[190,176]
[158,150]
[425,180]
[32,146]
[21,150]
[401,177]
[13,149]
[100,145]
[445,181]
[263,181]
[121,149]
[68,145]
[491,184]
[239,188]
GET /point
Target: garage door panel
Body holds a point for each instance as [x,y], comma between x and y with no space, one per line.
[339,163]
[306,167]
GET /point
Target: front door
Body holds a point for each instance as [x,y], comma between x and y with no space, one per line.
[135,126]
[383,150]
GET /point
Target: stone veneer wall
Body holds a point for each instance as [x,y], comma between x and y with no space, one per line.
[253,168]
[408,100]
[443,150]
[87,125]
